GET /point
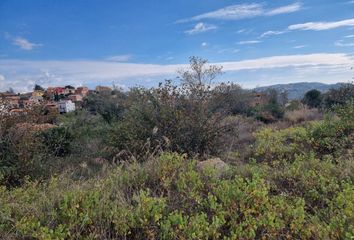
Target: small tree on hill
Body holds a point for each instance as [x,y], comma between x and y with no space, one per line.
[197,79]
[38,88]
[313,98]
[339,96]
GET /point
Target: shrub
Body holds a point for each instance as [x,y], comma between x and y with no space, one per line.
[57,141]
[302,115]
[167,198]
[313,98]
[339,96]
[281,145]
[173,118]
[333,136]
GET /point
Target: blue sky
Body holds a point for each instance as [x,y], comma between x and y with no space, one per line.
[129,43]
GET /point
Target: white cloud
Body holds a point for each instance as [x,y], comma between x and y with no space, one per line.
[249,42]
[200,28]
[272,33]
[320,26]
[349,36]
[285,9]
[334,59]
[228,50]
[2,78]
[120,58]
[242,11]
[300,46]
[204,44]
[340,43]
[22,75]
[24,43]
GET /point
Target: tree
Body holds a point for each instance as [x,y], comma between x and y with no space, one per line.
[69,87]
[313,98]
[197,79]
[175,118]
[339,96]
[38,88]
[230,98]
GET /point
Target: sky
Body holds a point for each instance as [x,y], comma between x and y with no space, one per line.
[141,43]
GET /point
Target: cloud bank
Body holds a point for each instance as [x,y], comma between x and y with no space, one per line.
[22,75]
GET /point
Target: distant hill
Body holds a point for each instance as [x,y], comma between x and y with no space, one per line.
[298,90]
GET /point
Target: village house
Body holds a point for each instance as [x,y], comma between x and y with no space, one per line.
[55,90]
[75,97]
[51,107]
[69,90]
[83,91]
[66,106]
[103,89]
[12,99]
[37,93]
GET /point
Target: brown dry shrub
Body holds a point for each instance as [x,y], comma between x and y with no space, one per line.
[303,114]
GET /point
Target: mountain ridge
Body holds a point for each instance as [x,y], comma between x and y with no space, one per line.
[298,90]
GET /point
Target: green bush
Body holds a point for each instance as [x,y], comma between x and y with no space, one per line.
[281,145]
[167,198]
[334,136]
[57,141]
[166,119]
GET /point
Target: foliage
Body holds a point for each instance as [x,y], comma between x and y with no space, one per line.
[110,105]
[332,136]
[272,145]
[313,98]
[231,98]
[339,96]
[166,198]
[127,166]
[38,88]
[181,119]
[57,141]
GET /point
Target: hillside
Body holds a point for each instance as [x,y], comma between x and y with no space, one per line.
[298,90]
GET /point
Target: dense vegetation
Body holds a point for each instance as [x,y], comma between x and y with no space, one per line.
[144,164]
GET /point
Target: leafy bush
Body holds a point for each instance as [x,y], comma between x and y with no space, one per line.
[313,98]
[167,198]
[339,96]
[333,136]
[57,141]
[170,117]
[110,105]
[281,145]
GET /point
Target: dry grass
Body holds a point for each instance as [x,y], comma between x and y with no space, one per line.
[303,114]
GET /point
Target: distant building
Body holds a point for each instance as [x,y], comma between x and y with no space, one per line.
[52,107]
[66,106]
[37,93]
[103,89]
[36,99]
[55,90]
[12,99]
[75,97]
[69,90]
[83,91]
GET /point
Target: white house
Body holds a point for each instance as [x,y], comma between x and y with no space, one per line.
[66,106]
